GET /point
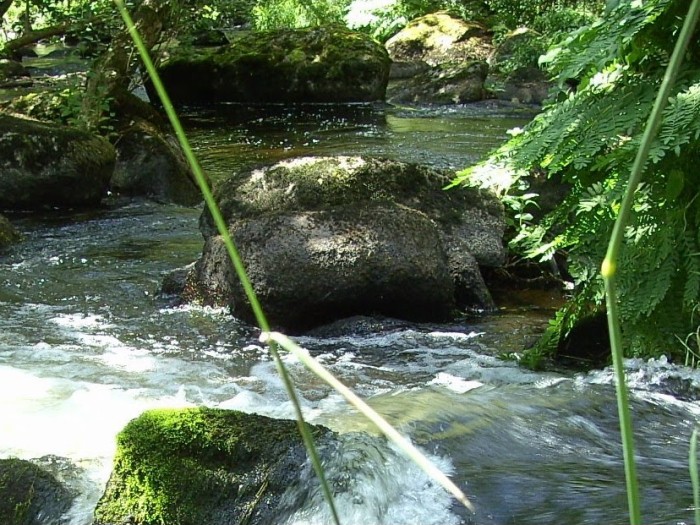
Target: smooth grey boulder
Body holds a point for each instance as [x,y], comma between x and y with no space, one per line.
[51,166]
[324,238]
[319,64]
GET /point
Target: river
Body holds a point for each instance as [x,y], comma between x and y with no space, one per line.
[86,345]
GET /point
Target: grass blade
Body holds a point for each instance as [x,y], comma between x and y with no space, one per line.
[230,248]
[693,467]
[609,266]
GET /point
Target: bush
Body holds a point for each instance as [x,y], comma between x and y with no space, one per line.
[588,140]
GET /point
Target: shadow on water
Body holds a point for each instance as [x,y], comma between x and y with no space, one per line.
[234,136]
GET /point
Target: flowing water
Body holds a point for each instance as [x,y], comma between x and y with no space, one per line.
[85,345]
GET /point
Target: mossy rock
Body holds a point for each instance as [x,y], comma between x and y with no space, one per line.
[31,496]
[202,466]
[320,183]
[8,234]
[437,38]
[150,163]
[50,166]
[439,59]
[328,64]
[324,238]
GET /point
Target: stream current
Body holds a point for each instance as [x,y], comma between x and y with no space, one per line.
[85,345]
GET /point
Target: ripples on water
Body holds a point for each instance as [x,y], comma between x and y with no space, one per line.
[85,347]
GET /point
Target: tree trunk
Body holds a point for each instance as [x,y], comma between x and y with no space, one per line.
[113,73]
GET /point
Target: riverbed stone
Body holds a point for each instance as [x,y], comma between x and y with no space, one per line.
[324,238]
[51,166]
[29,495]
[199,466]
[319,64]
[150,163]
[8,234]
[13,74]
[439,59]
[515,70]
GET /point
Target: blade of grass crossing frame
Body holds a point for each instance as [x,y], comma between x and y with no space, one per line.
[609,266]
[231,250]
[693,467]
[390,432]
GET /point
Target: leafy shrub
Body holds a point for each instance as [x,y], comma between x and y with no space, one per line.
[588,140]
[275,14]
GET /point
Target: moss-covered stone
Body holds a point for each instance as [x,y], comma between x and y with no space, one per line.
[319,183]
[150,163]
[8,234]
[202,466]
[329,237]
[13,73]
[329,64]
[29,495]
[51,166]
[439,59]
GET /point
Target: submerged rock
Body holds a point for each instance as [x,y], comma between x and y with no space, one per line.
[8,234]
[320,64]
[31,496]
[203,466]
[51,166]
[150,163]
[324,238]
[439,59]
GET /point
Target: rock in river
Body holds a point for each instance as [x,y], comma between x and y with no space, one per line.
[320,64]
[51,166]
[29,495]
[324,238]
[203,466]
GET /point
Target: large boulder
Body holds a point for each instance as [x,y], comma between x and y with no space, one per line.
[320,64]
[515,69]
[150,163]
[29,495]
[51,166]
[203,466]
[329,237]
[439,59]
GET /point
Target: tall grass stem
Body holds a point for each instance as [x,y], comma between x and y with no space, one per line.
[693,467]
[231,250]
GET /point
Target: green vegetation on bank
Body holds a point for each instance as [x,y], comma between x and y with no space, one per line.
[92,22]
[608,74]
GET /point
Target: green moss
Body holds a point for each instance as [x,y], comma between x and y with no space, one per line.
[312,64]
[192,466]
[318,183]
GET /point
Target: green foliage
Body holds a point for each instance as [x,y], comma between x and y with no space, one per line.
[384,18]
[588,140]
[276,14]
[64,105]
